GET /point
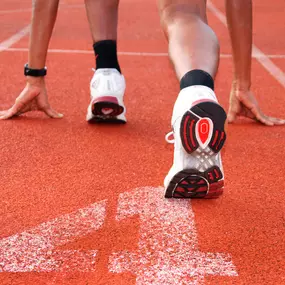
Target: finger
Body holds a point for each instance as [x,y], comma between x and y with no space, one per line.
[276,121]
[17,109]
[259,116]
[52,113]
[264,120]
[6,114]
[2,114]
[231,116]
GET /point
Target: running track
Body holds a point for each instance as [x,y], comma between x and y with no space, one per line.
[82,204]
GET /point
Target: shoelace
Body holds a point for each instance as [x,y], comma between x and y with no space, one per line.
[167,137]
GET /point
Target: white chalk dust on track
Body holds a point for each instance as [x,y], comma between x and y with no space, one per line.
[168,251]
[34,249]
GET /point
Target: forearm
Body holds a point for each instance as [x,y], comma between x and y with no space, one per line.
[239,18]
[43,20]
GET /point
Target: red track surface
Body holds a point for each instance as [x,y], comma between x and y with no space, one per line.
[54,167]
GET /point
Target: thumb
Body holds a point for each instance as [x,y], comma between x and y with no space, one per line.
[12,111]
[232,115]
[52,113]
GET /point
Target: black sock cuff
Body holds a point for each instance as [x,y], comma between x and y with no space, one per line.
[197,77]
[106,54]
[107,42]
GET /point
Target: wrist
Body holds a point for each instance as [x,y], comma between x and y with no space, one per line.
[241,85]
[38,81]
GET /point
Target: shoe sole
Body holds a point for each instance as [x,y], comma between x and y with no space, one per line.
[203,136]
[109,103]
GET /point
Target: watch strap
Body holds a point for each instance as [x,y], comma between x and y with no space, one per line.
[34,72]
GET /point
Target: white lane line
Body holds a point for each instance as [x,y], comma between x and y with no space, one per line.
[13,11]
[262,58]
[154,54]
[270,66]
[14,39]
[72,51]
[35,249]
[75,51]
[168,251]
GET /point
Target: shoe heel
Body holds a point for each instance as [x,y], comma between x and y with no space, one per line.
[107,106]
[191,184]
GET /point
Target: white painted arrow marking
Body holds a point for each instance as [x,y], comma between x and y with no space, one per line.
[168,251]
[34,249]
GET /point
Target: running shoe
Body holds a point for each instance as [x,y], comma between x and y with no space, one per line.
[107,89]
[198,123]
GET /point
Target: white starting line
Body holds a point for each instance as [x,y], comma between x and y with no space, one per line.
[127,53]
[168,252]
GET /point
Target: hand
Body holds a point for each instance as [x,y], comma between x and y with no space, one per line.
[32,98]
[243,103]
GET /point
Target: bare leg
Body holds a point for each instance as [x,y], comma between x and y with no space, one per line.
[103,19]
[197,119]
[192,43]
[107,86]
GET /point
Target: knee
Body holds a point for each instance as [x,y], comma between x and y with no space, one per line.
[173,13]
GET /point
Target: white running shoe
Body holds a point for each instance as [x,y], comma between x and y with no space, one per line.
[107,89]
[198,127]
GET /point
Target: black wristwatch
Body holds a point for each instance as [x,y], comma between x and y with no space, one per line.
[34,72]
